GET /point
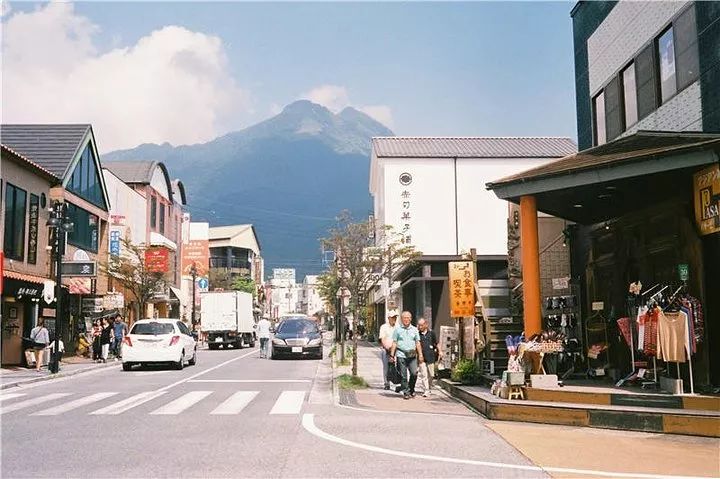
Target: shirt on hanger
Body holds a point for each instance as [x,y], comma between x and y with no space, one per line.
[672,337]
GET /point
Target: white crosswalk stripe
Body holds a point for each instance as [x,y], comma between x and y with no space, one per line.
[129,403]
[236,403]
[54,411]
[289,402]
[182,403]
[32,402]
[3,397]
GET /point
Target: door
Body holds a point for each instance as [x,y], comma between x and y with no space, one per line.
[187,340]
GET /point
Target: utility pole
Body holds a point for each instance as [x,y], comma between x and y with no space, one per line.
[60,225]
[193,273]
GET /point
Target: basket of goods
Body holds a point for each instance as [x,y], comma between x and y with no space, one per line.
[548,342]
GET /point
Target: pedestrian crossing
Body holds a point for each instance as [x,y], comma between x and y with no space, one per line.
[159,403]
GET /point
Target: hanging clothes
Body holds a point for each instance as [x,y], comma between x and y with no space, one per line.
[672,337]
[649,323]
[642,310]
[624,325]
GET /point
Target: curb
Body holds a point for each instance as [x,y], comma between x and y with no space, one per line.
[56,376]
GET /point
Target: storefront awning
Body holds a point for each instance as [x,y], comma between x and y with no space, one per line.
[178,295]
[28,278]
[610,180]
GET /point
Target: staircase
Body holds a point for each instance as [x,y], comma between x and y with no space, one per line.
[495,297]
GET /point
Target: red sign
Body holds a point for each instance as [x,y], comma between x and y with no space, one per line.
[157,260]
[196,252]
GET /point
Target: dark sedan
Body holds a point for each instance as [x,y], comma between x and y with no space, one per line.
[297,337]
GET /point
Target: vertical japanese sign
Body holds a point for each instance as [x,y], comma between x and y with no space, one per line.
[406,208]
[196,252]
[157,260]
[707,200]
[33,229]
[115,242]
[462,289]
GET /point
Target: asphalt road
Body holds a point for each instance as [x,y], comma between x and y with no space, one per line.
[232,415]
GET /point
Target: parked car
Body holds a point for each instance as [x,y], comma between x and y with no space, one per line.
[159,341]
[297,336]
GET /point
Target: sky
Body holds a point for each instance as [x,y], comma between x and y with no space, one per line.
[183,73]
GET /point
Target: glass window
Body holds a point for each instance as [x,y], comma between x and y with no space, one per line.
[630,96]
[646,85]
[162,218]
[85,181]
[290,326]
[666,61]
[15,210]
[153,212]
[686,48]
[599,109]
[613,109]
[85,228]
[152,328]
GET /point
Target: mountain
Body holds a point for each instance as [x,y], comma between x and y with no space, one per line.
[289,175]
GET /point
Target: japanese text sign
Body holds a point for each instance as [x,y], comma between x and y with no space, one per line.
[157,260]
[462,289]
[707,200]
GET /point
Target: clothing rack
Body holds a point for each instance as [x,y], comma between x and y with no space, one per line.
[688,345]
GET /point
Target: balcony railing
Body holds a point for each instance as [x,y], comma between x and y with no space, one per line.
[232,263]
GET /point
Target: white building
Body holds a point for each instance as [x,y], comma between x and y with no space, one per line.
[286,292]
[310,299]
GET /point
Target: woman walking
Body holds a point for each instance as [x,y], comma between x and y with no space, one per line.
[106,336]
[40,338]
[96,331]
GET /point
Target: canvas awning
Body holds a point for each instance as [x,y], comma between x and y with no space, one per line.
[178,295]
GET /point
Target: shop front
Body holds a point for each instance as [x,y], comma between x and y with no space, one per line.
[645,251]
[22,304]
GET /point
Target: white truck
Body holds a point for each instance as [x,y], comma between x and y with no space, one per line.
[227,318]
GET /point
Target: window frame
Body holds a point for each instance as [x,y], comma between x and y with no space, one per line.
[153,212]
[13,228]
[596,131]
[79,244]
[659,65]
[623,95]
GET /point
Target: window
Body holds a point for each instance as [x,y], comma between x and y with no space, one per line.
[645,79]
[599,109]
[183,329]
[15,204]
[153,212]
[152,328]
[613,110]
[85,228]
[687,62]
[629,95]
[666,61]
[162,218]
[85,181]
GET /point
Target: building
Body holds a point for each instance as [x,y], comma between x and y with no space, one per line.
[235,250]
[195,259]
[644,191]
[42,164]
[284,297]
[310,301]
[427,190]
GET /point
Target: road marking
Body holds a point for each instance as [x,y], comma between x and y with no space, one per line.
[189,378]
[308,422]
[129,403]
[10,396]
[32,402]
[250,381]
[54,411]
[289,402]
[235,403]
[182,403]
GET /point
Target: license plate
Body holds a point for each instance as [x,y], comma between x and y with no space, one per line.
[297,349]
[218,340]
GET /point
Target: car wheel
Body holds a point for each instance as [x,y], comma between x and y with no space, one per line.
[213,346]
[127,366]
[193,360]
[252,344]
[319,356]
[180,364]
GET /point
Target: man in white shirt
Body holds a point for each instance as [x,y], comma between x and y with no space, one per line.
[263,333]
[386,342]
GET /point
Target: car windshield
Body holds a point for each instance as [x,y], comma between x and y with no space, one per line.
[152,328]
[297,327]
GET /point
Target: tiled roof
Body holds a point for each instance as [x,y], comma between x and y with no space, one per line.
[29,278]
[139,171]
[226,232]
[52,147]
[643,144]
[472,147]
[28,161]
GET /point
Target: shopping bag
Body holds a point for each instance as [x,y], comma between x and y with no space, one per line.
[30,357]
[393,374]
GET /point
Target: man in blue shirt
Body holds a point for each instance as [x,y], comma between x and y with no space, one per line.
[120,329]
[407,352]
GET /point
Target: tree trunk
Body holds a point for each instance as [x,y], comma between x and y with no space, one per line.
[356,321]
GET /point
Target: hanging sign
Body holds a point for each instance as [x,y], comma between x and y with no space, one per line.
[462,289]
[157,260]
[79,268]
[197,253]
[706,187]
[34,214]
[684,271]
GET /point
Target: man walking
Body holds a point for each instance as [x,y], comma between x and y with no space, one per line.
[120,329]
[263,333]
[406,351]
[386,341]
[431,353]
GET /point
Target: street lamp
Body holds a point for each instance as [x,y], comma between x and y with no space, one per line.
[60,225]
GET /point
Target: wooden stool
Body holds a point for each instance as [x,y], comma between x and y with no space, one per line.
[516,392]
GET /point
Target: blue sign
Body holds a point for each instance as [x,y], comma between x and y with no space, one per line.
[115,243]
[203,283]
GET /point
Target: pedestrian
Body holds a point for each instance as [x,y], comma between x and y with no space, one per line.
[40,337]
[431,353]
[407,353]
[263,333]
[106,337]
[61,348]
[120,329]
[96,347]
[386,341]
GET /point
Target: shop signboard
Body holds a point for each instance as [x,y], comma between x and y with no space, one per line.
[196,252]
[113,301]
[157,260]
[684,271]
[115,242]
[92,305]
[81,269]
[462,289]
[707,199]
[34,214]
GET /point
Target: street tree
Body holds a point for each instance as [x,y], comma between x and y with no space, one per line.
[364,258]
[328,284]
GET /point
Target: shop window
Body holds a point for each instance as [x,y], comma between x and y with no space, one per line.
[687,62]
[86,228]
[613,110]
[15,211]
[153,212]
[645,79]
[629,86]
[162,218]
[666,64]
[85,181]
[599,116]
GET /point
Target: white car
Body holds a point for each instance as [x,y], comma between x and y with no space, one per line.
[159,341]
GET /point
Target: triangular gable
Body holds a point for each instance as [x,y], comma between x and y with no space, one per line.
[84,175]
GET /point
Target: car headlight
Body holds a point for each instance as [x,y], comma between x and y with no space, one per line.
[315,342]
[278,341]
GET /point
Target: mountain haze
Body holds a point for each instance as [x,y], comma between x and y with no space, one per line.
[289,176]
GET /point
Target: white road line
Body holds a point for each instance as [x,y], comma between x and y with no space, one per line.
[189,378]
[250,381]
[32,402]
[308,422]
[54,411]
[182,403]
[289,402]
[3,397]
[129,403]
[235,403]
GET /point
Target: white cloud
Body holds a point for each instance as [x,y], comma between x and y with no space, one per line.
[335,98]
[172,85]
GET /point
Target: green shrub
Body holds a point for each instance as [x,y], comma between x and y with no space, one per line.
[347,381]
[466,371]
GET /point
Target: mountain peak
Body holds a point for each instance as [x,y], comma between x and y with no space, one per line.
[305,107]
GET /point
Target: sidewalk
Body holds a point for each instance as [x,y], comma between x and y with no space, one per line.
[13,376]
[377,398]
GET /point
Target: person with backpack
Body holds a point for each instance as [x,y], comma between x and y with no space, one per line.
[431,354]
[40,338]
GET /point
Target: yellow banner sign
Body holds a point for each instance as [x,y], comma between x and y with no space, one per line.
[707,200]
[462,289]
